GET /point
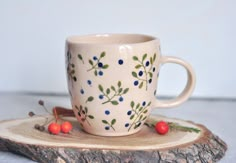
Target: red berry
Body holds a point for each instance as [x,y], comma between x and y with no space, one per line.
[54,128]
[66,127]
[162,127]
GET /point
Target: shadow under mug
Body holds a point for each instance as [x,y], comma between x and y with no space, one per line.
[112,81]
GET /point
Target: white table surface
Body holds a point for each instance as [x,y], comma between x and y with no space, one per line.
[216,115]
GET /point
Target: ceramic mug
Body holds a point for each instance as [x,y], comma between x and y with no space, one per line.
[112,81]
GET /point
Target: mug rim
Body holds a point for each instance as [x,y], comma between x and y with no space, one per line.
[112,39]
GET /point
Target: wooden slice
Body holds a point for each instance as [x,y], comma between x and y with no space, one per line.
[19,136]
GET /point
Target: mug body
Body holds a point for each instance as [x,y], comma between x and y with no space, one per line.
[112,81]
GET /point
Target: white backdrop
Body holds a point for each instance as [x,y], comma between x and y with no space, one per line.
[32,37]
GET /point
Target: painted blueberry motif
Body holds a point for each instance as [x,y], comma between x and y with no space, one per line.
[107,112]
[154,69]
[95,58]
[140,73]
[150,81]
[109,124]
[97,65]
[100,96]
[129,112]
[121,99]
[100,64]
[136,82]
[120,62]
[138,114]
[100,73]
[81,91]
[113,94]
[70,67]
[127,125]
[143,70]
[84,115]
[144,103]
[89,82]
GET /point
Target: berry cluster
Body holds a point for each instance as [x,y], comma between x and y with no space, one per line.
[98,65]
[144,70]
[53,127]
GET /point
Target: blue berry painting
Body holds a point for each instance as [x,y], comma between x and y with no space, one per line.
[144,70]
[97,66]
[137,114]
[112,95]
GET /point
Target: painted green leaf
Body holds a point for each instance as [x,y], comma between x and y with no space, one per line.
[105,66]
[145,111]
[105,122]
[138,66]
[114,102]
[132,117]
[102,54]
[76,107]
[113,88]
[100,88]
[80,57]
[135,58]
[95,73]
[72,65]
[119,84]
[136,126]
[91,117]
[144,118]
[74,78]
[140,85]
[141,116]
[86,110]
[154,57]
[72,71]
[91,62]
[141,108]
[108,91]
[134,74]
[90,99]
[150,74]
[151,60]
[144,57]
[149,103]
[113,122]
[137,106]
[132,104]
[120,90]
[126,90]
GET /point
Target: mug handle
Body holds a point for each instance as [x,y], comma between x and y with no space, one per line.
[184,95]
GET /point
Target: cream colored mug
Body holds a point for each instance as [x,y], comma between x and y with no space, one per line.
[112,81]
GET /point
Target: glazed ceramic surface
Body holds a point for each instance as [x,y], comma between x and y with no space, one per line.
[112,81]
